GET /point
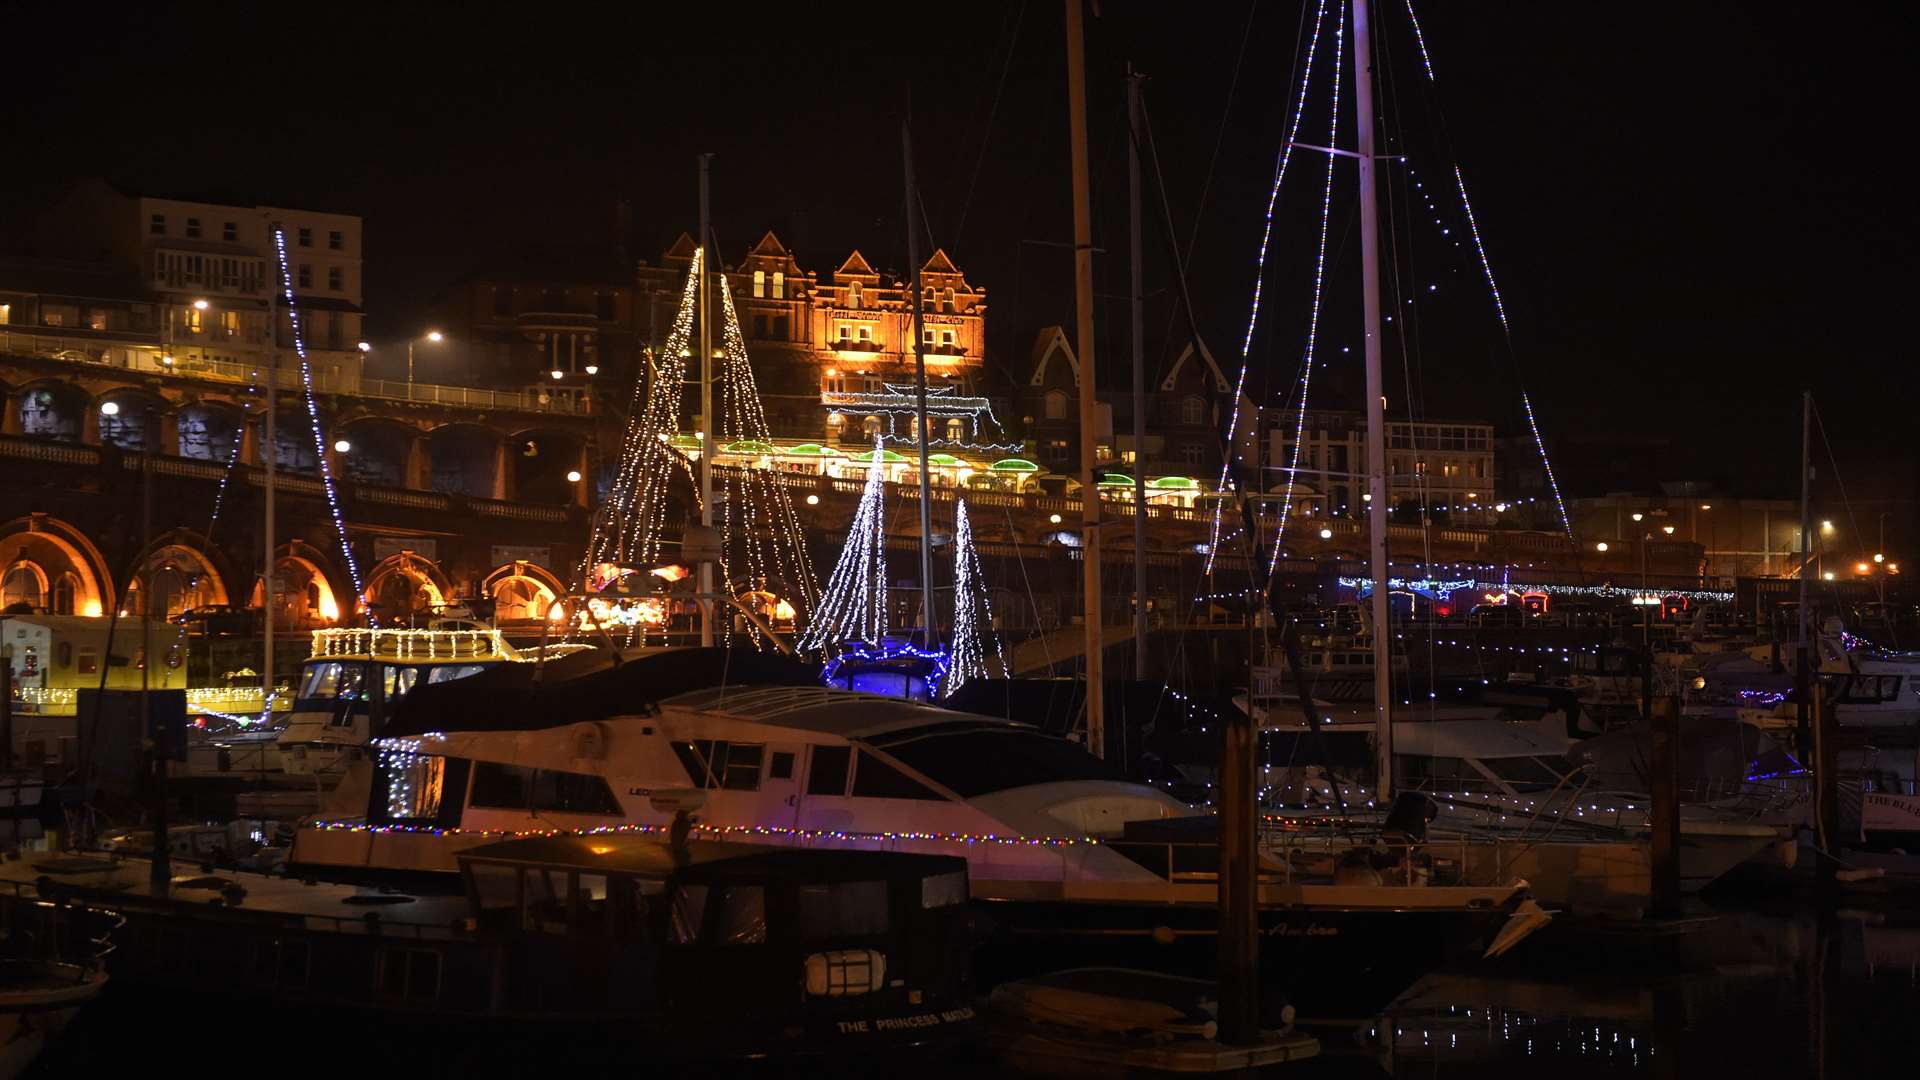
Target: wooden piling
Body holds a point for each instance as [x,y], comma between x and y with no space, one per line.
[1664,721]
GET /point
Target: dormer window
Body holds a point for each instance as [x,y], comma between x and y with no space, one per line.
[853,295]
[759,283]
[946,300]
[779,285]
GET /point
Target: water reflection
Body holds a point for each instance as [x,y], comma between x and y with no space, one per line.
[1737,994]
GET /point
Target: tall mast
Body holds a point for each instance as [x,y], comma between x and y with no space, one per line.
[1802,660]
[268,454]
[1089,411]
[919,309]
[707,441]
[1137,295]
[1376,404]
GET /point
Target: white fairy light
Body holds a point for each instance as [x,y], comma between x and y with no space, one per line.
[853,606]
[973,634]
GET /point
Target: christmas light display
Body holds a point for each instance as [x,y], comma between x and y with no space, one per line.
[313,417]
[627,527]
[763,545]
[974,639]
[1260,268]
[941,660]
[725,832]
[854,605]
[1319,294]
[1420,39]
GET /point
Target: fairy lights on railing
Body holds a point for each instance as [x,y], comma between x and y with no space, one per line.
[313,417]
[1260,268]
[723,832]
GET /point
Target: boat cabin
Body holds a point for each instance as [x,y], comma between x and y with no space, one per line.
[720,936]
[354,678]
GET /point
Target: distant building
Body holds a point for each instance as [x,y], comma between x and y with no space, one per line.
[834,359]
[1184,413]
[1444,465]
[550,321]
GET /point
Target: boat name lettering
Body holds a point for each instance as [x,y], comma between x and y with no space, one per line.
[902,1023]
[1313,930]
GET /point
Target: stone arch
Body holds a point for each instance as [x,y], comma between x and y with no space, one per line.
[208,430]
[522,592]
[51,409]
[183,577]
[307,591]
[382,450]
[132,419]
[465,459]
[61,556]
[404,585]
[293,439]
[540,460]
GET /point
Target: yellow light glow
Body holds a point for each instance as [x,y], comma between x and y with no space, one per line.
[1668,529]
[1601,546]
[1326,534]
[813,500]
[1639,517]
[329,610]
[573,476]
[783,611]
[435,336]
[601,849]
[1879,558]
[1861,568]
[1828,576]
[1826,526]
[92,609]
[557,613]
[199,305]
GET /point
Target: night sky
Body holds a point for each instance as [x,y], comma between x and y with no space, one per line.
[1694,210]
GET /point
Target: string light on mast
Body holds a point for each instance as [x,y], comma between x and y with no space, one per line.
[1260,269]
[853,606]
[974,640]
[313,415]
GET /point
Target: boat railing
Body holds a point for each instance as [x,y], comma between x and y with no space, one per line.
[373,921]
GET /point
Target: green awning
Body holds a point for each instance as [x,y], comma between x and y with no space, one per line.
[886,457]
[1013,464]
[1115,480]
[750,446]
[947,460]
[1174,483]
[810,449]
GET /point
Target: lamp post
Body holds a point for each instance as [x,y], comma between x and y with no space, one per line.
[434,336]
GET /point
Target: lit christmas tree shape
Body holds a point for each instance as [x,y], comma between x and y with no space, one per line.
[975,651]
[854,605]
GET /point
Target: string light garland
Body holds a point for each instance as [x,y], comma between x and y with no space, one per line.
[627,528]
[1260,271]
[941,660]
[313,417]
[854,605]
[1420,39]
[760,530]
[974,639]
[1319,295]
[718,831]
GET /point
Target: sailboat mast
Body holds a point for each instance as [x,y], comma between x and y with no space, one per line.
[268,455]
[1089,410]
[707,440]
[1376,404]
[1802,660]
[1137,295]
[919,309]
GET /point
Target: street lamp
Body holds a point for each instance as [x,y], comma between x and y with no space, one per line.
[341,446]
[434,336]
[573,476]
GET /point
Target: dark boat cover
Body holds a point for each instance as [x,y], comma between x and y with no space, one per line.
[585,686]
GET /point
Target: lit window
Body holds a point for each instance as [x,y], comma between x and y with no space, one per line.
[853,295]
[946,339]
[779,285]
[946,300]
[759,283]
[191,319]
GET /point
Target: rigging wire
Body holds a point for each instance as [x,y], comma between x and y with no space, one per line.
[993,111]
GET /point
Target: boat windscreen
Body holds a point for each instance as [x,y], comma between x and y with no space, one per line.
[976,761]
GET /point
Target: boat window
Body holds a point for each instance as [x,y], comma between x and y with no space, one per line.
[973,761]
[397,682]
[416,783]
[828,773]
[943,890]
[495,886]
[742,916]
[502,787]
[1522,771]
[781,768]
[875,779]
[689,912]
[716,763]
[450,672]
[335,680]
[841,909]
[573,793]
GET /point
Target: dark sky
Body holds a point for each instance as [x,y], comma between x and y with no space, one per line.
[1694,210]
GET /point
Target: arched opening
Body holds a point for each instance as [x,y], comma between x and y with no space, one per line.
[52,411]
[404,586]
[775,611]
[463,460]
[208,432]
[293,444]
[24,587]
[956,429]
[377,453]
[181,579]
[131,421]
[66,569]
[303,598]
[541,462]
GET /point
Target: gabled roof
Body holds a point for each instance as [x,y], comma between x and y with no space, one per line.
[1051,342]
[940,264]
[681,248]
[1173,373]
[770,247]
[855,266]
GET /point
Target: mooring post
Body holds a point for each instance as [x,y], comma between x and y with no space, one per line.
[1239,937]
[1665,853]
